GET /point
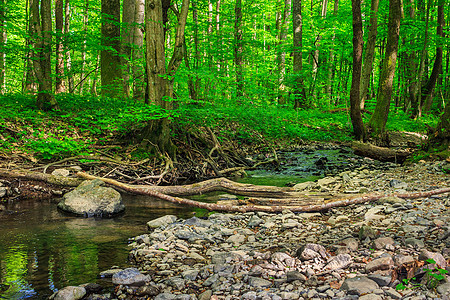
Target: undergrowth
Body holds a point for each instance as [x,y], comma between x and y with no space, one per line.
[85,121]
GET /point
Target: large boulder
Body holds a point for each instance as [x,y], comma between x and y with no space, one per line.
[92,199]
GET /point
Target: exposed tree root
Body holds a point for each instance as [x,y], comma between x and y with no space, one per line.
[288,196]
[380,153]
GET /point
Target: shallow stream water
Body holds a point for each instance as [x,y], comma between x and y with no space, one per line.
[43,249]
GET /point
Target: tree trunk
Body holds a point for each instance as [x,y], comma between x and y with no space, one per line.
[378,120]
[29,84]
[68,69]
[128,14]
[299,87]
[2,46]
[281,57]
[411,68]
[110,62]
[427,92]
[238,50]
[60,86]
[137,68]
[41,27]
[160,79]
[355,108]
[369,52]
[83,53]
[331,67]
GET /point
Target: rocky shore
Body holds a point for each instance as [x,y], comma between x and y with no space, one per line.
[389,249]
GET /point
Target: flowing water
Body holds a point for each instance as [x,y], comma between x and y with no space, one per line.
[43,249]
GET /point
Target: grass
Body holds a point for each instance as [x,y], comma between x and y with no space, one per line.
[85,121]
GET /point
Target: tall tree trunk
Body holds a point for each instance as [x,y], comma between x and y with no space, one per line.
[41,27]
[30,82]
[331,68]
[3,37]
[137,68]
[160,79]
[281,55]
[427,92]
[128,14]
[378,120]
[219,38]
[355,108]
[110,62]
[68,56]
[411,66]
[417,104]
[299,87]
[238,50]
[369,52]
[83,53]
[60,86]
[95,79]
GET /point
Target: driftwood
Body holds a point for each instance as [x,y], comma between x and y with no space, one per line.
[261,198]
[222,184]
[380,153]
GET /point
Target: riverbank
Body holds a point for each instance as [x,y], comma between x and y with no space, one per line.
[369,251]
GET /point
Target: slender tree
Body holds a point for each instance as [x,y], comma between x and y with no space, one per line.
[60,86]
[355,110]
[3,37]
[281,55]
[238,49]
[369,52]
[110,62]
[377,122]
[299,88]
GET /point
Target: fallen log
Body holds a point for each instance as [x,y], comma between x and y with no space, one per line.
[325,205]
[380,153]
[51,179]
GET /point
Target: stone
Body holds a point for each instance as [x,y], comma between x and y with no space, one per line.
[367,232]
[165,296]
[370,297]
[415,243]
[397,184]
[236,239]
[70,293]
[190,274]
[176,282]
[194,221]
[437,257]
[259,282]
[206,295]
[148,290]
[162,221]
[130,276]
[254,221]
[109,273]
[359,285]
[91,199]
[3,191]
[304,186]
[382,242]
[380,263]
[380,279]
[338,262]
[61,172]
[403,259]
[390,292]
[326,181]
[444,289]
[351,243]
[188,235]
[311,251]
[295,275]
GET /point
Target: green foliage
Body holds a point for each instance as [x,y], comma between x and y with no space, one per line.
[432,277]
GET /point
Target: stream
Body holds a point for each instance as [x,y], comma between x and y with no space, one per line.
[43,249]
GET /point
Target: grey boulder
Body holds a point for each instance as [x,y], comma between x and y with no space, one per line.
[92,199]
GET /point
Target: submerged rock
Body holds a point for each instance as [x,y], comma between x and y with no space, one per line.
[91,199]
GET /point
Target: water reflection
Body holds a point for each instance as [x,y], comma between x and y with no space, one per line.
[43,250]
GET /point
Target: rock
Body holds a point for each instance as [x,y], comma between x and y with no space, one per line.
[188,235]
[390,292]
[70,293]
[176,282]
[109,273]
[258,282]
[444,289]
[415,243]
[437,257]
[165,296]
[367,232]
[194,221]
[304,186]
[92,288]
[147,290]
[190,274]
[156,223]
[397,184]
[3,191]
[295,275]
[61,172]
[236,239]
[403,259]
[382,242]
[380,279]
[326,181]
[370,297]
[359,285]
[380,263]
[130,276]
[338,262]
[90,199]
[351,243]
[206,295]
[254,221]
[310,251]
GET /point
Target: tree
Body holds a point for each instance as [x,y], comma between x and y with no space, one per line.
[41,27]
[377,123]
[355,109]
[299,88]
[2,46]
[238,49]
[110,62]
[369,52]
[281,56]
[60,86]
[160,77]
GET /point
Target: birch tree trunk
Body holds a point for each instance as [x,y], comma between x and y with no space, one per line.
[369,52]
[378,120]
